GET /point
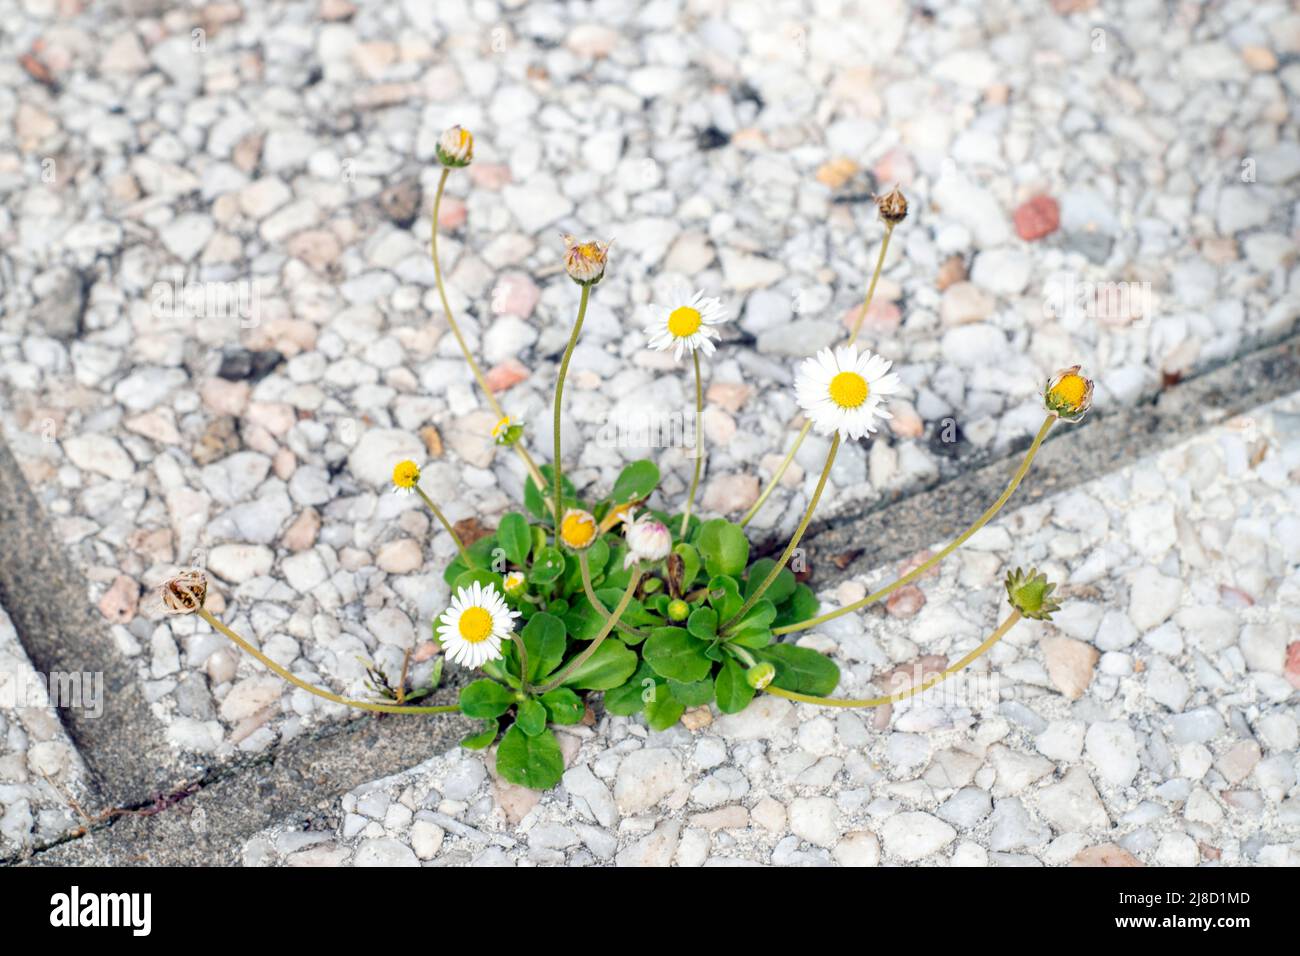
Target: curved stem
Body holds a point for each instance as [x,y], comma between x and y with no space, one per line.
[803,432]
[596,602]
[460,339]
[871,287]
[556,468]
[952,546]
[699,444]
[309,688]
[460,545]
[996,636]
[777,475]
[794,541]
[608,626]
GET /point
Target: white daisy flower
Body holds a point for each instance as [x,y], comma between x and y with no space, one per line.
[843,391]
[685,323]
[472,629]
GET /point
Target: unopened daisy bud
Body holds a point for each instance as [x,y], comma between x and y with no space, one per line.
[892,206]
[578,529]
[678,610]
[1068,394]
[760,675]
[515,583]
[1030,593]
[647,540]
[185,593]
[456,147]
[406,475]
[507,431]
[585,261]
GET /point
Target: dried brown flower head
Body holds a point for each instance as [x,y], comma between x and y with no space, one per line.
[892,206]
[185,593]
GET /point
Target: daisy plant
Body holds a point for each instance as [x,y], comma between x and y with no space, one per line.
[613,598]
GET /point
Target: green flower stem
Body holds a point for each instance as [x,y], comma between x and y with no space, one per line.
[794,541]
[556,468]
[935,559]
[596,602]
[871,288]
[581,659]
[699,444]
[460,545]
[460,339]
[803,432]
[965,662]
[299,682]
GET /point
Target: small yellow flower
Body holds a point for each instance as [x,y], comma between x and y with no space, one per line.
[406,475]
[578,529]
[507,431]
[1068,394]
[585,261]
[514,583]
[456,147]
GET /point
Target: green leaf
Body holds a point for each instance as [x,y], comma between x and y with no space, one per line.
[755,629]
[724,547]
[693,694]
[544,640]
[690,564]
[536,501]
[548,565]
[781,588]
[675,654]
[663,710]
[467,578]
[724,596]
[485,699]
[534,762]
[611,665]
[531,717]
[597,557]
[731,689]
[802,669]
[636,481]
[629,698]
[483,739]
[703,623]
[564,706]
[515,537]
[803,604]
[583,621]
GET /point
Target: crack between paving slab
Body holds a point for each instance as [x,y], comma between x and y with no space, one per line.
[1072,455]
[212,776]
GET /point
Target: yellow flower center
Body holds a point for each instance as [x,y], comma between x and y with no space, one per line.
[475,625]
[406,474]
[849,390]
[499,428]
[1070,390]
[684,321]
[466,138]
[577,530]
